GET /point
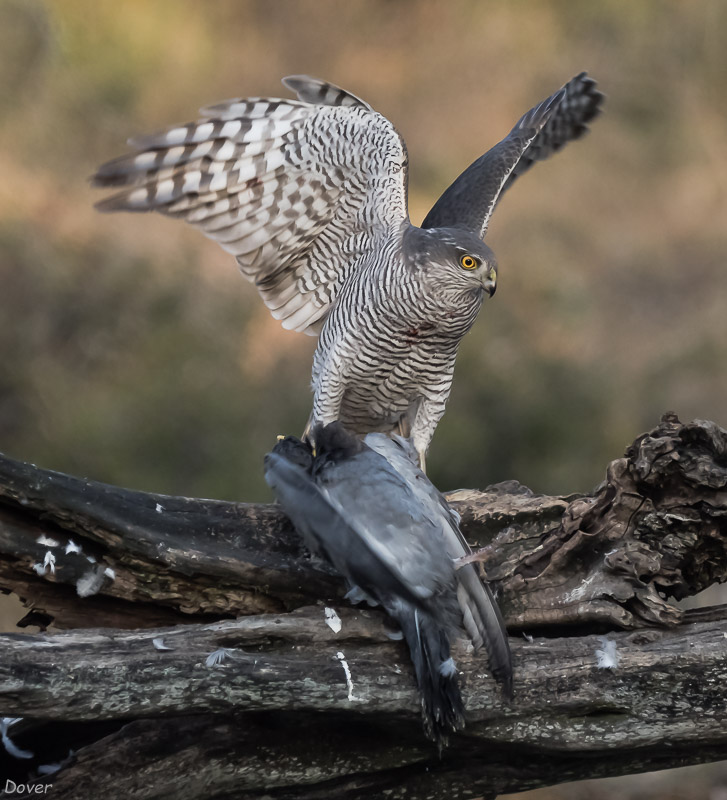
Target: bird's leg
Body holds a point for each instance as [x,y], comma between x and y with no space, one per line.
[403,426]
[425,422]
[421,445]
[404,429]
[329,390]
[306,437]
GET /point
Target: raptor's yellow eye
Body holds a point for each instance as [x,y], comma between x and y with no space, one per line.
[468,262]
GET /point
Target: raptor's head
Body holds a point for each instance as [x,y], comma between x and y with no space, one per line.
[452,257]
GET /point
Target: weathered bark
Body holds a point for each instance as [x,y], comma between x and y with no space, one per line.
[278,715]
[571,715]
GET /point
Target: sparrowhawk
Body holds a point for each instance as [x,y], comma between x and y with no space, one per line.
[310,196]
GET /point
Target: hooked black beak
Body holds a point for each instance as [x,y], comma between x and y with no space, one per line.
[489,281]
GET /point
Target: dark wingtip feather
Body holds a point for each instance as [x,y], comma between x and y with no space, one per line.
[503,675]
[110,204]
[496,641]
[534,119]
[111,173]
[318,92]
[587,87]
[301,83]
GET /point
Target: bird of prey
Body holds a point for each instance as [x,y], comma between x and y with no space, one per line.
[366,508]
[310,196]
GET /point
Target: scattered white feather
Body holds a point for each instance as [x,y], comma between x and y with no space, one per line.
[51,769]
[109,573]
[448,668]
[47,541]
[580,591]
[527,637]
[349,681]
[332,619]
[608,657]
[90,582]
[218,656]
[72,547]
[8,744]
[91,559]
[159,508]
[159,644]
[50,562]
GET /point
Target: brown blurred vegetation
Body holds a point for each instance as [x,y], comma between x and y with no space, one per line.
[134,353]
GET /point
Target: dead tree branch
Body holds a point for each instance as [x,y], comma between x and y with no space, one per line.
[617,679]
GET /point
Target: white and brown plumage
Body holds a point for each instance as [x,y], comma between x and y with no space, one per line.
[310,196]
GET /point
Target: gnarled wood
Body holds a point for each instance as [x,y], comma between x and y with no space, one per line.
[571,570]
[585,702]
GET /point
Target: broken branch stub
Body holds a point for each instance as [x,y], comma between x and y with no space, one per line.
[655,529]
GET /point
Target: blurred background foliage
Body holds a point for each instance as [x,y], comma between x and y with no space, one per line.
[133,352]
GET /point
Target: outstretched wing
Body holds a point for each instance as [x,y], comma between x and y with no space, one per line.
[545,129]
[296,190]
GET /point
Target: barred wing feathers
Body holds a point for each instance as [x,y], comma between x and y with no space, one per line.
[581,103]
[296,190]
